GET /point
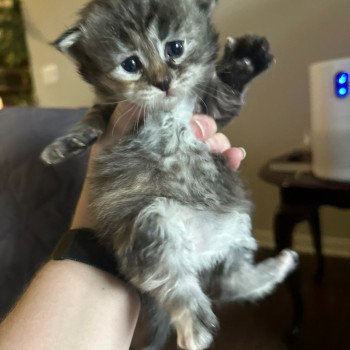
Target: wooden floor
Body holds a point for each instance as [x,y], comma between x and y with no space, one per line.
[262,326]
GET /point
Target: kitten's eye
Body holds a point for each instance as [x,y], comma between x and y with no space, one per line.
[132,65]
[174,49]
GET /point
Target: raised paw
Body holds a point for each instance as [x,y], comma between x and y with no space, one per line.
[244,58]
[69,145]
[253,50]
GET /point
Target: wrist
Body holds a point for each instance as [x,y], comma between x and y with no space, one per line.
[81,216]
[82,245]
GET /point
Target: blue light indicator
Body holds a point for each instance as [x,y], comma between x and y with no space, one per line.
[341,84]
[342,78]
[343,92]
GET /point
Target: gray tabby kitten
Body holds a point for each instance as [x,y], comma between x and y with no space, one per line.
[173,214]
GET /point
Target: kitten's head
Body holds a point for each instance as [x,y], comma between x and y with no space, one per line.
[150,52]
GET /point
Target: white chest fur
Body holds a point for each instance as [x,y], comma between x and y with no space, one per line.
[204,237]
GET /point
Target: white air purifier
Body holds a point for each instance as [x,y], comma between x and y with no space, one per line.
[330,119]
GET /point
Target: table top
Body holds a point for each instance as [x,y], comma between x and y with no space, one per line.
[293,170]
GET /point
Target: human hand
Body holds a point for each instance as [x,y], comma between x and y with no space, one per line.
[127,117]
[205,129]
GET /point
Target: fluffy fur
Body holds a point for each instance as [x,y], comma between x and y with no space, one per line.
[175,217]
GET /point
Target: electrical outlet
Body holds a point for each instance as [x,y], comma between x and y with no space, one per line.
[50,74]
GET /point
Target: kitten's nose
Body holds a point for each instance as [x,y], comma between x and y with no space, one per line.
[163,85]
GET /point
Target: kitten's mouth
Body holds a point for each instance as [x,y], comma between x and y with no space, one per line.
[167,101]
[169,94]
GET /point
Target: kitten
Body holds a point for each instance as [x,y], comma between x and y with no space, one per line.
[177,47]
[175,217]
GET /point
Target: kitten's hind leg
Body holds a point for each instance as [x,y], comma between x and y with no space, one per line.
[83,134]
[159,261]
[251,282]
[158,323]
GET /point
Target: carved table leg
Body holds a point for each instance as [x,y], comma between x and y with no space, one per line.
[314,222]
[285,220]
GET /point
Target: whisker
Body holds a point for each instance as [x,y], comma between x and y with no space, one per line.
[130,112]
[211,95]
[142,114]
[197,95]
[113,102]
[228,93]
[145,117]
[137,121]
[224,95]
[120,118]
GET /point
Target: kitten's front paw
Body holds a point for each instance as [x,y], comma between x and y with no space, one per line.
[69,145]
[253,50]
[244,58]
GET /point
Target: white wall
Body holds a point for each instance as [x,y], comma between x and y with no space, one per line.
[46,20]
[277,112]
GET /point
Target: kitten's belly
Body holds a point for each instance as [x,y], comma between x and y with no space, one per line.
[210,236]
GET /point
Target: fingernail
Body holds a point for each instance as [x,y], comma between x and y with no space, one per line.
[244,152]
[203,128]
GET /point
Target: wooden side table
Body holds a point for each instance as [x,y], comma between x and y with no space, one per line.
[301,195]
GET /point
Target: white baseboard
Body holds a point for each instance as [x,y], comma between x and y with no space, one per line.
[332,246]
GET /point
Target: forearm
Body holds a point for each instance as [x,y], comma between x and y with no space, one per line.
[70,305]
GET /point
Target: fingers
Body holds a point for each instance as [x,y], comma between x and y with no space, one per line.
[218,143]
[127,116]
[234,156]
[205,129]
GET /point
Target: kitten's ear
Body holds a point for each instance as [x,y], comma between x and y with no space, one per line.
[65,42]
[207,6]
